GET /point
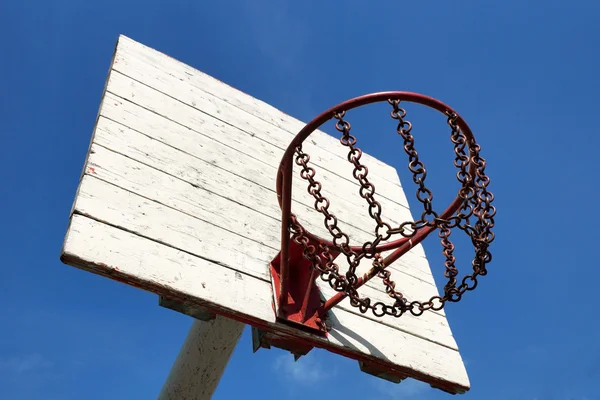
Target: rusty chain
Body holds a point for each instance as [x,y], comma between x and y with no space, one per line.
[476,203]
[367,189]
[330,270]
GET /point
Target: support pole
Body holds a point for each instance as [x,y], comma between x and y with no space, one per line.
[202,359]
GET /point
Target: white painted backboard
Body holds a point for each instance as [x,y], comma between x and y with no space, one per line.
[178,198]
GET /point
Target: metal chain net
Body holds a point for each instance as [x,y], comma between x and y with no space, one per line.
[476,204]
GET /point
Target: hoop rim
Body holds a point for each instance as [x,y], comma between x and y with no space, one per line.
[285,169]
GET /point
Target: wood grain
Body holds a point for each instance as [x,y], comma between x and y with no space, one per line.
[152,266]
[215,210]
[216,98]
[146,218]
[258,146]
[178,198]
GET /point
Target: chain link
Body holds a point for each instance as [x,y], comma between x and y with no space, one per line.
[366,188]
[476,203]
[329,270]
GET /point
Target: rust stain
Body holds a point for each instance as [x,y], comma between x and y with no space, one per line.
[91,170]
[203,284]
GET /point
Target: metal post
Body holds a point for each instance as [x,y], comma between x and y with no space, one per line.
[202,359]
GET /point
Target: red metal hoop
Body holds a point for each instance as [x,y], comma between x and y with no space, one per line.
[284,195]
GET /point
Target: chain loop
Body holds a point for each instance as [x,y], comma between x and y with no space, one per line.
[476,204]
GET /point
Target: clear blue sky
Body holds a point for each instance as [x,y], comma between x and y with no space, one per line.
[523,73]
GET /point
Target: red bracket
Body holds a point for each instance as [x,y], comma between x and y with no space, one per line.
[303,301]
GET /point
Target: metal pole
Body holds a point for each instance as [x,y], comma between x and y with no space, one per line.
[202,359]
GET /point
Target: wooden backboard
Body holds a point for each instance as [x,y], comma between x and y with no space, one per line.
[177,197]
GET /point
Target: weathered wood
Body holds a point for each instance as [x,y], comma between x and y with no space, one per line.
[215,210]
[391,196]
[178,198]
[152,266]
[214,166]
[248,179]
[214,133]
[193,310]
[150,219]
[202,360]
[118,207]
[431,326]
[216,98]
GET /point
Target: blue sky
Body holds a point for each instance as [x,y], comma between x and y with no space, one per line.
[523,74]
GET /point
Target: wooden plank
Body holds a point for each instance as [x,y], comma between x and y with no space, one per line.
[117,207]
[218,184]
[173,192]
[354,332]
[184,82]
[245,179]
[144,217]
[209,207]
[163,270]
[255,127]
[201,157]
[168,272]
[391,196]
[431,326]
[221,144]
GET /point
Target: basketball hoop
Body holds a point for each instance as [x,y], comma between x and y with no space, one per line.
[297,296]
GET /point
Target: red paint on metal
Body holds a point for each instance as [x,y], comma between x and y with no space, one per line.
[284,186]
[302,298]
[285,244]
[338,297]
